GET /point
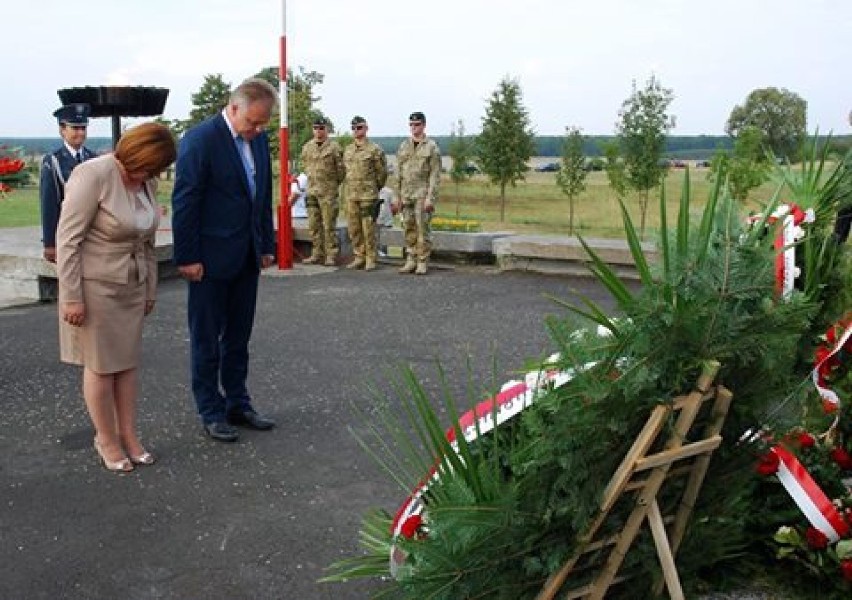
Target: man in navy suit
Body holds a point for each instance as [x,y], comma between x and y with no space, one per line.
[223,236]
[56,168]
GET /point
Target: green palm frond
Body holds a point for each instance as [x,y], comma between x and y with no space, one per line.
[635,246]
[608,277]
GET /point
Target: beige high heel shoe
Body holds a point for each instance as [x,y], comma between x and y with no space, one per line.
[120,467]
[146,458]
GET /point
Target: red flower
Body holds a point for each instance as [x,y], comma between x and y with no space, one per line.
[767,464]
[828,407]
[411,526]
[846,569]
[824,364]
[806,440]
[816,538]
[842,458]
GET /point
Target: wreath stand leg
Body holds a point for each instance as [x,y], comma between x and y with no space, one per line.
[651,472]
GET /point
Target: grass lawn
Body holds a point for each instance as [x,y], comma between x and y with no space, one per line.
[536,205]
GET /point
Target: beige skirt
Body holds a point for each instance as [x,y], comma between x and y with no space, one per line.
[110,339]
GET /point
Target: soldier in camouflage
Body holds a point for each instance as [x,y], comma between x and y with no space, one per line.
[322,161]
[418,176]
[366,173]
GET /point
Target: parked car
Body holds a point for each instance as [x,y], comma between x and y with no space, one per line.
[702,164]
[550,167]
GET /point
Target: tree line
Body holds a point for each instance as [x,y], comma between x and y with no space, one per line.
[769,126]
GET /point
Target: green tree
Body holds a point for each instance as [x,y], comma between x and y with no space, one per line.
[779,113]
[301,110]
[614,168]
[461,152]
[642,128]
[572,173]
[209,100]
[746,167]
[506,142]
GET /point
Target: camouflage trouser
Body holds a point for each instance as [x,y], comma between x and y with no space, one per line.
[417,227]
[322,225]
[362,228]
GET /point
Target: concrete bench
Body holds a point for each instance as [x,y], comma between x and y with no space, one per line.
[565,255]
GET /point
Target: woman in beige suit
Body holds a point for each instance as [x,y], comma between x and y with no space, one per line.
[107,273]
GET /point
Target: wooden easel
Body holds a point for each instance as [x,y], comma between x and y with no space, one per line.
[642,475]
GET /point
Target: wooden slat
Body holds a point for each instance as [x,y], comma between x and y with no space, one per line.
[699,471]
[582,591]
[670,456]
[638,484]
[643,443]
[646,490]
[664,552]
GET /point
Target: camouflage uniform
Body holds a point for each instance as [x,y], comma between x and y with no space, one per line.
[418,176]
[366,173]
[323,163]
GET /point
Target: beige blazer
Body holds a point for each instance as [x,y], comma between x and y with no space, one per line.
[97,236]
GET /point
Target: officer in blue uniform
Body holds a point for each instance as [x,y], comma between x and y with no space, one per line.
[56,168]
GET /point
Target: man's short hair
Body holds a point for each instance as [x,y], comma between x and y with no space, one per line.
[254,89]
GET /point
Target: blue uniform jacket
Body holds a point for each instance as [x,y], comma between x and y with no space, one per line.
[51,189]
[214,219]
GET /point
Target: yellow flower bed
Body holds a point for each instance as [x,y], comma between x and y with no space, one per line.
[461,225]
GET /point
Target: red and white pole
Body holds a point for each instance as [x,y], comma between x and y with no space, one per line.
[285,223]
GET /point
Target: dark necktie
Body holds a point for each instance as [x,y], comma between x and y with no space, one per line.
[79,157]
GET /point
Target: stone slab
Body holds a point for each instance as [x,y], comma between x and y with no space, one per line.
[565,255]
[612,251]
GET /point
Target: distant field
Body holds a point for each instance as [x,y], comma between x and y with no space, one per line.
[536,205]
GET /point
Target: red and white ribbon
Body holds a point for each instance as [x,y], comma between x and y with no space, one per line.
[829,396]
[791,232]
[514,397]
[808,496]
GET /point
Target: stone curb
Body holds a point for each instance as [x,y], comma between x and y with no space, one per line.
[26,278]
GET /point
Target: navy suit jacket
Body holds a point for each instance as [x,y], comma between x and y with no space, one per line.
[51,188]
[215,221]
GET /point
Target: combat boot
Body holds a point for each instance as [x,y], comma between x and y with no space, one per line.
[421,268]
[370,265]
[313,259]
[409,266]
[356,263]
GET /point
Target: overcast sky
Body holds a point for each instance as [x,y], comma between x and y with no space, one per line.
[575,59]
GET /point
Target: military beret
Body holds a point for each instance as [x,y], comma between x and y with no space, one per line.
[73,114]
[320,120]
[417,116]
[357,120]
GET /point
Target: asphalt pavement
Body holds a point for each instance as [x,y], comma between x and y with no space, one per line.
[262,518]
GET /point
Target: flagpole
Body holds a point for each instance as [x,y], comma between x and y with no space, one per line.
[285,223]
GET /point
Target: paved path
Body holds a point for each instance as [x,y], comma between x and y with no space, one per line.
[259,519]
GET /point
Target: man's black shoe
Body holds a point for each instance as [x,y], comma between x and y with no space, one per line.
[221,432]
[251,419]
